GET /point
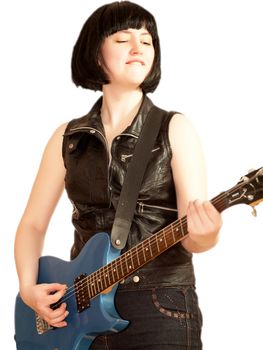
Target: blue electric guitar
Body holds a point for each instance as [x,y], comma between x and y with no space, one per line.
[94,276]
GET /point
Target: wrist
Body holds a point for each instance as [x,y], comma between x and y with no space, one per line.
[199,245]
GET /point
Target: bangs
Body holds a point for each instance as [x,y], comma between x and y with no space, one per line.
[123,15]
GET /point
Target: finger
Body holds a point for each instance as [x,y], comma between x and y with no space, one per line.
[59,321]
[212,212]
[59,311]
[193,215]
[55,287]
[60,324]
[205,212]
[53,298]
[54,316]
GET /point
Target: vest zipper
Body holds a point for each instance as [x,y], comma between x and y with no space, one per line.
[92,131]
[128,134]
[126,156]
[142,205]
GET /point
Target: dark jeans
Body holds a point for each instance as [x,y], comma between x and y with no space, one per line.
[160,319]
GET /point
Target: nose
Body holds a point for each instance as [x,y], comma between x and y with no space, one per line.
[136,48]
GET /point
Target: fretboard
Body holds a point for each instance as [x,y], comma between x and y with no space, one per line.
[138,256]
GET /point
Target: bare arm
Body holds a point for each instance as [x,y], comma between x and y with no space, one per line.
[46,191]
[188,166]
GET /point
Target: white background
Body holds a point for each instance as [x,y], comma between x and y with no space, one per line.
[212,54]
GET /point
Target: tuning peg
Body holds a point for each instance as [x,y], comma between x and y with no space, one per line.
[254,211]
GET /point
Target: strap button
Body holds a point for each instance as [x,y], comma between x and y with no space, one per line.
[136,279]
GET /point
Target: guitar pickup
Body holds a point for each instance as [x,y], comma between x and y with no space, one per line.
[81,292]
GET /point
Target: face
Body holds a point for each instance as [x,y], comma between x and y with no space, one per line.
[128,57]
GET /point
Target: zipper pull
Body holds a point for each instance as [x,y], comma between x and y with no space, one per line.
[125,156]
[141,205]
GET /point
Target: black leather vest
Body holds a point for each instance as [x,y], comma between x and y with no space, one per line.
[93,184]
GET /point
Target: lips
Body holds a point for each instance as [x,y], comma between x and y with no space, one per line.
[135,61]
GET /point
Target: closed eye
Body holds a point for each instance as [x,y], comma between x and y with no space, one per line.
[146,43]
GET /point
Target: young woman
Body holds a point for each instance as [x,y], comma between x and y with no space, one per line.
[118,52]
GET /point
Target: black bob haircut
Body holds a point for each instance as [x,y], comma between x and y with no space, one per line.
[105,21]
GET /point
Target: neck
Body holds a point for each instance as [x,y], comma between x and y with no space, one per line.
[119,107]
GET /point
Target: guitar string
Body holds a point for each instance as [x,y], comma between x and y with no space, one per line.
[93,277]
[82,285]
[118,262]
[100,273]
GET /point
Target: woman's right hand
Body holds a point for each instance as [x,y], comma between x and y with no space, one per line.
[40,297]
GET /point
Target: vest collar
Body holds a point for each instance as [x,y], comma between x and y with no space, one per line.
[93,119]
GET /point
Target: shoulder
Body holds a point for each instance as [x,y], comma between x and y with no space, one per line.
[180,122]
[182,132]
[59,131]
[56,139]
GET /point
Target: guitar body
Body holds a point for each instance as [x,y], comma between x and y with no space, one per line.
[83,327]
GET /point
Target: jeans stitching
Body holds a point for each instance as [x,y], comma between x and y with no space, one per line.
[176,314]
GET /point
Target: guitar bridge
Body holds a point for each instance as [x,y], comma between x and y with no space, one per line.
[81,292]
[41,325]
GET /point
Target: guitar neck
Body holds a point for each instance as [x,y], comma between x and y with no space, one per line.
[141,254]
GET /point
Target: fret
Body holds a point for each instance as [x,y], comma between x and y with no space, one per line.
[130,261]
[121,264]
[137,254]
[144,256]
[96,283]
[103,278]
[154,247]
[182,227]
[148,250]
[162,242]
[112,272]
[126,263]
[100,279]
[164,235]
[116,269]
[107,275]
[157,242]
[177,230]
[88,286]
[172,227]
[94,292]
[100,286]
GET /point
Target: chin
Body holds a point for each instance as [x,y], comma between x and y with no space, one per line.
[137,80]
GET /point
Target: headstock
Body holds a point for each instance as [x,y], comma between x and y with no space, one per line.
[249,190]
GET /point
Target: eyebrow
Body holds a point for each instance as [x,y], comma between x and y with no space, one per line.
[126,31]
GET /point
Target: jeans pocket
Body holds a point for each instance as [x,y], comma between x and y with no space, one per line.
[172,302]
[180,303]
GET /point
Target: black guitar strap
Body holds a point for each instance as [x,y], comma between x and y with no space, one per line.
[134,176]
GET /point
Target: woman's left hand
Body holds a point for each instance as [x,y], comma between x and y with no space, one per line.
[203,223]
